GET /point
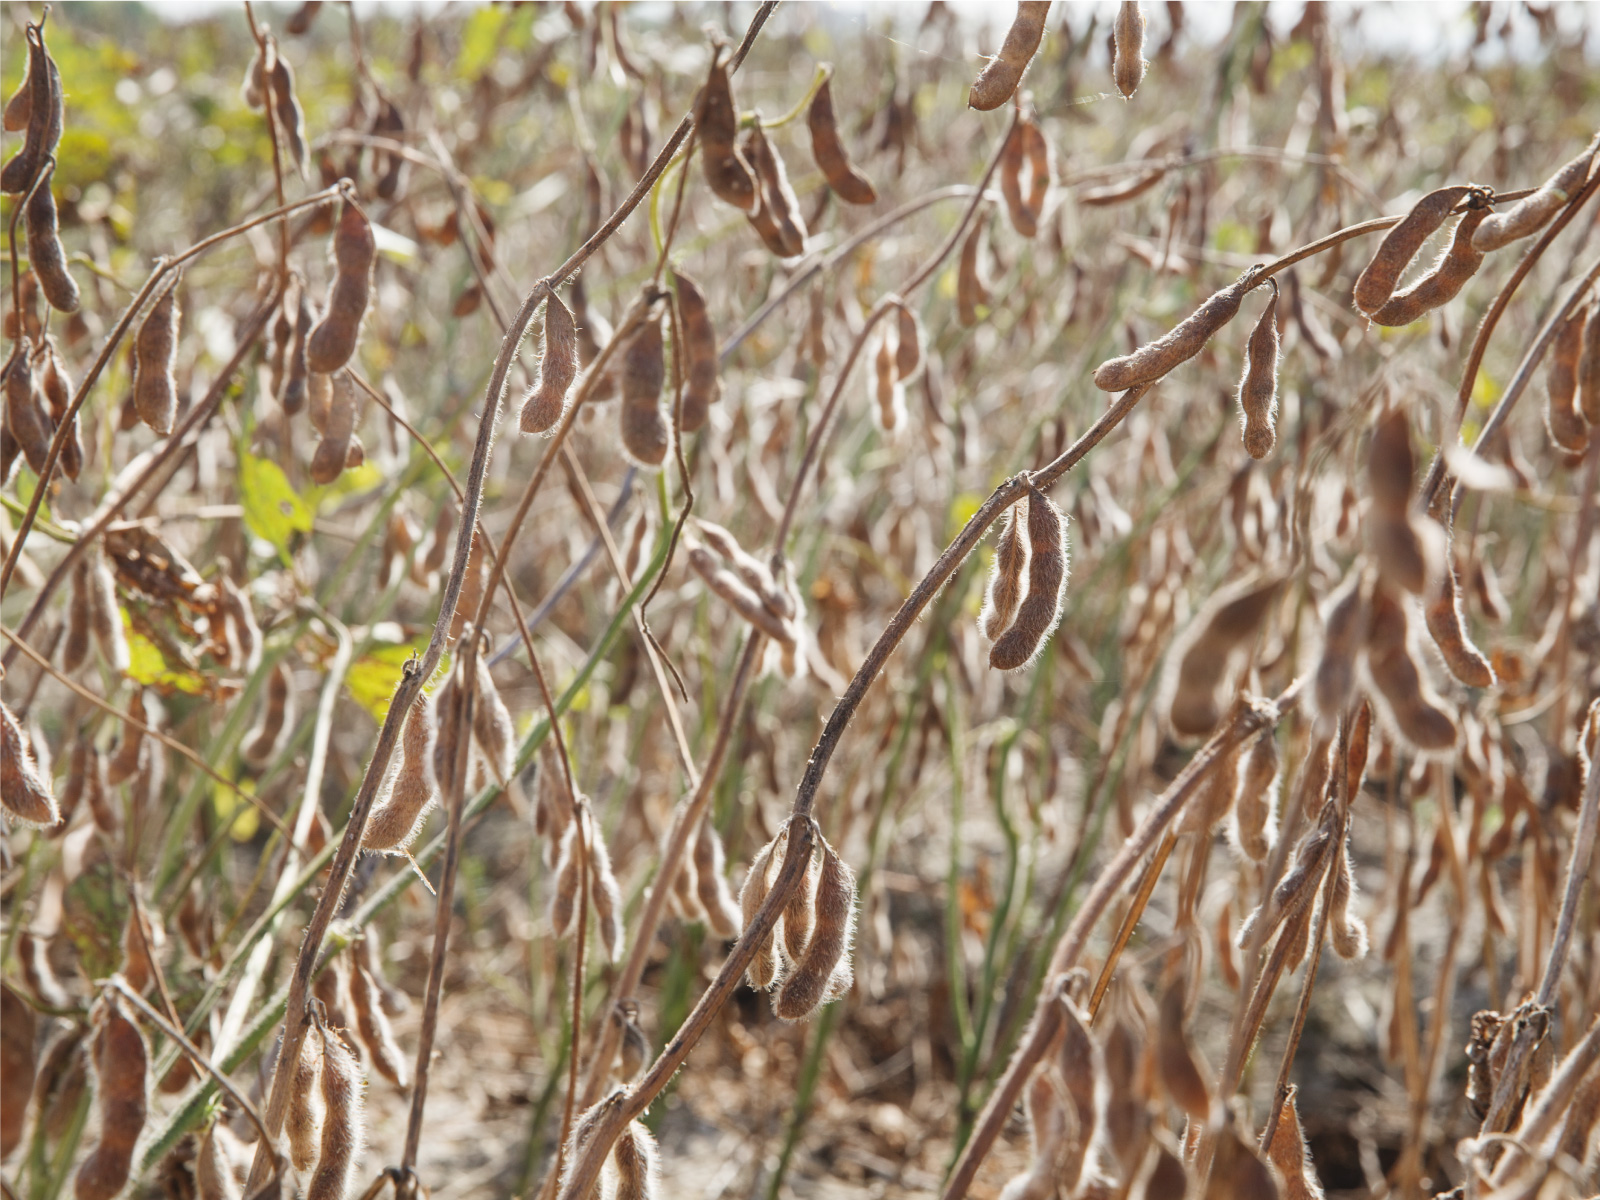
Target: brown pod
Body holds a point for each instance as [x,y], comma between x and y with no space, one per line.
[319,399]
[1005,589]
[1396,670]
[777,216]
[296,372]
[492,727]
[213,1167]
[816,977]
[1253,827]
[1120,193]
[887,391]
[25,794]
[605,894]
[333,450]
[1127,59]
[739,596]
[971,290]
[45,254]
[105,613]
[1180,1074]
[18,1058]
[286,107]
[1012,157]
[646,433]
[1150,362]
[702,386]
[1346,931]
[299,21]
[568,878]
[1377,282]
[20,106]
[26,420]
[97,793]
[253,89]
[333,340]
[1344,629]
[716,119]
[1258,387]
[372,1026]
[998,80]
[848,183]
[800,914]
[343,1126]
[155,347]
[1047,576]
[1448,625]
[1530,213]
[121,1070]
[46,116]
[710,867]
[635,1158]
[397,816]
[908,345]
[55,385]
[391,124]
[1567,426]
[558,367]
[1289,1154]
[1227,622]
[1439,286]
[262,742]
[763,968]
[1589,367]
[1237,1170]
[1040,171]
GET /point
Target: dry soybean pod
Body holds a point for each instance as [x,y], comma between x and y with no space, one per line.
[1040,170]
[26,420]
[816,977]
[1448,625]
[848,183]
[646,432]
[1127,60]
[998,80]
[800,914]
[1589,367]
[333,340]
[46,116]
[1006,580]
[702,387]
[20,106]
[333,450]
[1258,387]
[55,384]
[887,390]
[492,726]
[155,347]
[1530,213]
[253,90]
[286,106]
[605,894]
[213,1169]
[971,290]
[1150,362]
[45,255]
[1047,576]
[121,1063]
[716,119]
[738,595]
[75,649]
[763,968]
[1566,424]
[1253,828]
[18,1057]
[1396,670]
[342,1123]
[710,867]
[777,217]
[25,794]
[635,1157]
[558,367]
[1227,621]
[1119,193]
[397,817]
[1012,158]
[1377,282]
[372,1026]
[1346,931]
[1288,1153]
[296,372]
[1180,1075]
[1439,286]
[105,613]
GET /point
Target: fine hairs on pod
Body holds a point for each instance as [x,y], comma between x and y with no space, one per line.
[1377,282]
[558,367]
[343,1120]
[702,386]
[1530,213]
[847,182]
[646,432]
[716,119]
[1258,387]
[1151,361]
[998,80]
[763,968]
[399,812]
[122,1086]
[333,339]
[823,973]
[1040,609]
[1127,60]
[155,348]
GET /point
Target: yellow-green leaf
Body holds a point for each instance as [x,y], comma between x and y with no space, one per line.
[147,665]
[373,677]
[272,509]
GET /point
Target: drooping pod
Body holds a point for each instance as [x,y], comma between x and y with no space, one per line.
[389,123]
[1346,931]
[333,339]
[847,182]
[971,290]
[1407,547]
[908,356]
[800,912]
[1012,158]
[253,89]
[1288,1153]
[18,1057]
[716,119]
[605,894]
[738,595]
[888,393]
[155,348]
[1449,275]
[1566,424]
[1344,628]
[338,432]
[558,367]
[213,1167]
[291,118]
[1181,1076]
[1127,60]
[702,386]
[26,420]
[1150,362]
[763,968]
[1253,820]
[25,792]
[45,255]
[646,432]
[1205,658]
[710,867]
[492,726]
[998,80]
[777,214]
[373,1028]
[1040,608]
[1396,671]
[1006,580]
[1530,213]
[1589,367]
[635,1158]
[1258,387]
[1119,193]
[296,371]
[397,816]
[20,106]
[824,972]
[343,1122]
[1448,625]
[46,116]
[121,1071]
[1376,283]
[55,385]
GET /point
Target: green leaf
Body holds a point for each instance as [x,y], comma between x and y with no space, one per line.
[272,510]
[147,665]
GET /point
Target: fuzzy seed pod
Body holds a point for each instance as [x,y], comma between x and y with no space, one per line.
[1180,1075]
[1047,577]
[155,347]
[397,817]
[716,119]
[1023,219]
[1214,797]
[26,420]
[1127,63]
[888,393]
[55,385]
[1237,1171]
[777,215]
[568,877]
[75,648]
[338,432]
[276,715]
[702,387]
[739,596]
[1227,622]
[908,345]
[763,968]
[492,726]
[296,372]
[1051,1132]
[1150,362]
[46,116]
[333,340]
[710,867]
[121,1069]
[1258,387]
[372,1025]
[800,914]
[971,290]
[213,1170]
[1006,580]
[1396,670]
[1439,286]
[1254,824]
[1347,931]
[636,1161]
[558,367]
[1567,426]
[1448,625]
[20,106]
[646,432]
[998,80]
[343,1124]
[140,943]
[105,613]
[45,254]
[1288,1153]
[750,569]
[635,1049]
[1530,213]
[253,89]
[25,793]
[1377,282]
[824,971]
[18,1039]
[447,704]
[605,895]
[1120,193]
[1407,548]
[1168,1177]
[848,183]
[286,107]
